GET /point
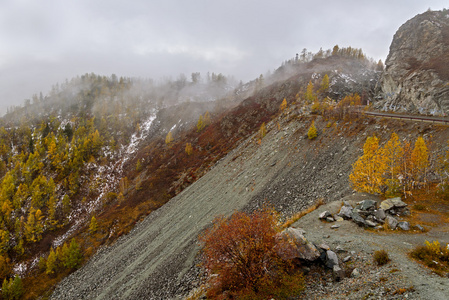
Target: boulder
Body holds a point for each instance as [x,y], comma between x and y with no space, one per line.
[302,248]
[404,225]
[420,228]
[331,259]
[379,214]
[345,212]
[367,205]
[338,218]
[358,219]
[392,223]
[392,203]
[325,214]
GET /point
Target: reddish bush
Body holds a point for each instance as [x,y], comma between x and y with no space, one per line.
[240,253]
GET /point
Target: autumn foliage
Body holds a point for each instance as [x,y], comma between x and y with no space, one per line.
[240,253]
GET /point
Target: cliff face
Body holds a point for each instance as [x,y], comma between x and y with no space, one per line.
[416,77]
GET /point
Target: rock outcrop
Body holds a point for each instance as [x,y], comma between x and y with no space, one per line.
[416,77]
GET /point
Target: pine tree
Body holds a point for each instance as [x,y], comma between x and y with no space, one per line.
[93,227]
[312,132]
[367,171]
[206,119]
[51,262]
[74,255]
[169,138]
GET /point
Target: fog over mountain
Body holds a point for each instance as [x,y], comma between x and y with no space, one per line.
[49,41]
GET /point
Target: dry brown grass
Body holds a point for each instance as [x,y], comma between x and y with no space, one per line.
[302,213]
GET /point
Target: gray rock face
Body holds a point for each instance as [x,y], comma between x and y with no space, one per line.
[380,214]
[416,73]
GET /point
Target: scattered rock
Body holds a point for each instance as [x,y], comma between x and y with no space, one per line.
[338,273]
[339,249]
[380,214]
[392,223]
[419,227]
[367,205]
[330,219]
[331,259]
[358,219]
[345,212]
[303,248]
[324,215]
[370,223]
[404,225]
[335,226]
[338,218]
[347,258]
[355,273]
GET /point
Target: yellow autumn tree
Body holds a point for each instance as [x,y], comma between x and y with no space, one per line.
[200,124]
[324,84]
[93,226]
[367,171]
[169,138]
[283,105]
[393,153]
[312,133]
[262,131]
[189,149]
[206,119]
[310,96]
[419,160]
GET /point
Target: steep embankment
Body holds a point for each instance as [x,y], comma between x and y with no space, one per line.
[157,259]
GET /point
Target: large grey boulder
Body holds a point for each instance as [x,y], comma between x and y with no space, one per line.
[380,214]
[392,203]
[302,248]
[367,205]
[345,212]
[358,219]
[392,223]
[404,225]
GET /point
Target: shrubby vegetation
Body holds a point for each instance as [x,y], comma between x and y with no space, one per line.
[241,258]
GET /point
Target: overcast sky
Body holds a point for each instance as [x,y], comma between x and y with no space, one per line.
[47,41]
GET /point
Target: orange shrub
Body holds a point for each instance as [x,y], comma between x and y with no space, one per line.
[241,253]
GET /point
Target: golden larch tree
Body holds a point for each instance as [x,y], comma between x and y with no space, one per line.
[312,133]
[189,149]
[419,160]
[169,138]
[367,171]
[393,153]
[283,105]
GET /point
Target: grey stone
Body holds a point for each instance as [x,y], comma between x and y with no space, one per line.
[392,203]
[355,273]
[380,214]
[335,226]
[347,258]
[303,249]
[338,273]
[358,219]
[404,225]
[330,219]
[339,249]
[324,246]
[345,212]
[391,222]
[324,215]
[338,218]
[370,223]
[368,205]
[420,228]
[331,259]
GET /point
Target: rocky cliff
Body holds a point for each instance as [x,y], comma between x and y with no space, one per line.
[416,77]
